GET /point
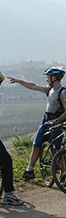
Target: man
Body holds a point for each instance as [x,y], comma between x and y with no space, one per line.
[7,170]
[53,110]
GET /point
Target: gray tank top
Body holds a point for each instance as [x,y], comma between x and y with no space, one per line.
[52,101]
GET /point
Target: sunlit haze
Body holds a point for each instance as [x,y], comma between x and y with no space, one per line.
[32,30]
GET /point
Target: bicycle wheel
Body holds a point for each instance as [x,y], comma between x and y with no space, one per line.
[58,163]
[1,183]
[46,164]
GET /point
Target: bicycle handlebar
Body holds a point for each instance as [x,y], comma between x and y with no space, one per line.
[51,125]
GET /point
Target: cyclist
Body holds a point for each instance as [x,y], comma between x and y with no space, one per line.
[53,111]
[7,170]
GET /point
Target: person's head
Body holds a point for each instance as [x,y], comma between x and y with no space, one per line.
[54,74]
[1,77]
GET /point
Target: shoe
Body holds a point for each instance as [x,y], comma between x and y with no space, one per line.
[29,175]
[12,200]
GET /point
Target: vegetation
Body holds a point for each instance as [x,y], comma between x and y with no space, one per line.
[20,152]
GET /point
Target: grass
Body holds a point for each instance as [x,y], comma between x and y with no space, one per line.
[20,152]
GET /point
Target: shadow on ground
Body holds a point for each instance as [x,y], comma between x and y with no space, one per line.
[27,210]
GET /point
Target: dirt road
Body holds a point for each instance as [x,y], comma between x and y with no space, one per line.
[39,202]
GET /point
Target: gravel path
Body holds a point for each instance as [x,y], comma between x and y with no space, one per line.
[40,202]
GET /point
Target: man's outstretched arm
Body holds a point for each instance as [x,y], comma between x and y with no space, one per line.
[29,85]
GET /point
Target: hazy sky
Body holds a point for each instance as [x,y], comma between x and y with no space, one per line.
[32,29]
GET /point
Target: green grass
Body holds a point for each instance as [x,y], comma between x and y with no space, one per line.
[20,152]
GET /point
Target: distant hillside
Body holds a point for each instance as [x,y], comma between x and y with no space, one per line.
[32,70]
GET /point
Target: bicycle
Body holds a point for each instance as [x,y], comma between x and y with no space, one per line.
[59,163]
[47,152]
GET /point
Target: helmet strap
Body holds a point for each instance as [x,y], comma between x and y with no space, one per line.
[52,81]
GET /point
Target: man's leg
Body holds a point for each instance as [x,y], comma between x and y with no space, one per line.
[34,156]
[7,175]
[7,170]
[29,173]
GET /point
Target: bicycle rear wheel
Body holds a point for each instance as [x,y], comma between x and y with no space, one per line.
[46,164]
[1,183]
[59,161]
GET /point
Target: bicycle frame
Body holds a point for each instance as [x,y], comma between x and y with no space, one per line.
[62,135]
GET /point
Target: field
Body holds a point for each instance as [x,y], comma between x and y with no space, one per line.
[20,118]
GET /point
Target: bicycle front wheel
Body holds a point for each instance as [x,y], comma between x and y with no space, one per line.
[46,164]
[59,169]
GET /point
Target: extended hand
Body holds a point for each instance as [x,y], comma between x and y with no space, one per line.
[12,80]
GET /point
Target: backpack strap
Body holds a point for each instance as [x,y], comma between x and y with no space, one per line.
[61,109]
[59,99]
[48,91]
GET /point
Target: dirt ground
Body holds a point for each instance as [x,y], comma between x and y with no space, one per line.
[39,201]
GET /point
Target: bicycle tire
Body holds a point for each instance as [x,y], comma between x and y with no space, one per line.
[46,165]
[57,169]
[1,183]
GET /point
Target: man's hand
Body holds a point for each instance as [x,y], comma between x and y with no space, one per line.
[52,122]
[12,80]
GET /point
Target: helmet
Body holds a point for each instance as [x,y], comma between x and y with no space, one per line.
[59,73]
[1,77]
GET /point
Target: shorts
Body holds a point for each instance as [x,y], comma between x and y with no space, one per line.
[40,138]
